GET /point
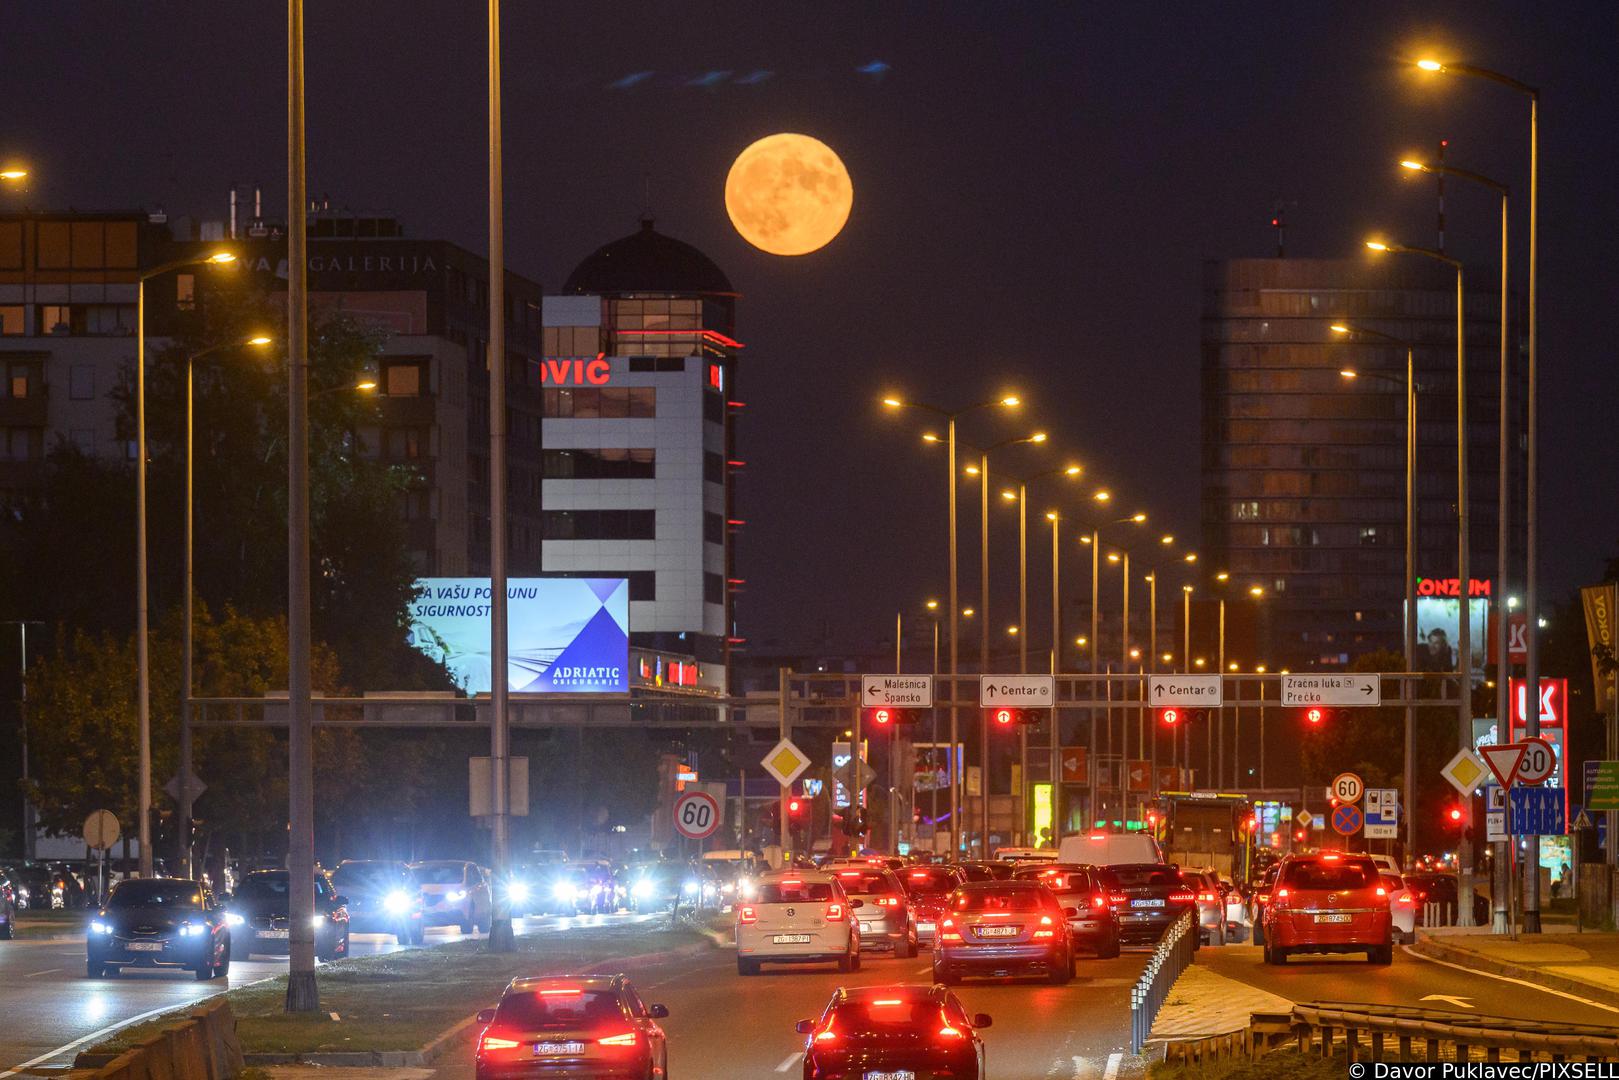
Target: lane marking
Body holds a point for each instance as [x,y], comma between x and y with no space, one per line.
[1112,1072]
[925,970]
[47,971]
[1492,975]
[92,1037]
[792,1060]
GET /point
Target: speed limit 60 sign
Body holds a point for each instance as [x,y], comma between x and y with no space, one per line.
[1538,763]
[697,815]
[1346,788]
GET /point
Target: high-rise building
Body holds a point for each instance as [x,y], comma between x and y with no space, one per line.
[1304,469]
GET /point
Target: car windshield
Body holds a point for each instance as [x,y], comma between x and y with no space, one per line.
[558,1008]
[1321,874]
[156,893]
[263,887]
[364,876]
[929,881]
[439,874]
[1146,875]
[885,1016]
[794,892]
[999,900]
[865,881]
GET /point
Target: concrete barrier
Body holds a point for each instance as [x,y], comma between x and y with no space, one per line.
[202,1046]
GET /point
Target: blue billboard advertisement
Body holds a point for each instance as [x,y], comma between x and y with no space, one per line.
[565,635]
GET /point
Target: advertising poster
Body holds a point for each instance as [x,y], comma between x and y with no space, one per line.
[1439,623]
[565,635]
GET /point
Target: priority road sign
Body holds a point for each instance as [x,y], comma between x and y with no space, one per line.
[785,761]
[1185,690]
[1336,690]
[1017,691]
[1465,771]
[697,815]
[1347,787]
[1346,819]
[1304,818]
[1503,760]
[897,691]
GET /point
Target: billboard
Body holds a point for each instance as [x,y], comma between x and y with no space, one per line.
[565,635]
[1439,623]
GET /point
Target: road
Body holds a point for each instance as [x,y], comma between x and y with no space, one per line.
[1411,980]
[725,1027]
[52,1010]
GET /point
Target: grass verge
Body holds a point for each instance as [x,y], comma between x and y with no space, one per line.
[1277,1065]
[403,1000]
[45,924]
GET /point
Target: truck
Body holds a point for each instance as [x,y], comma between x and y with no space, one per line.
[1206,829]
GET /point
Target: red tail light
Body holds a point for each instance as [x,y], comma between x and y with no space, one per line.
[834,911]
[1205,898]
[628,1038]
[946,1030]
[746,915]
[488,1042]
[888,901]
[1118,899]
[1182,897]
[1099,901]
[1405,900]
[1045,931]
[826,1034]
[948,931]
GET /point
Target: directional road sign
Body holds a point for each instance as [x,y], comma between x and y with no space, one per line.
[1017,691]
[1503,760]
[1138,776]
[1602,785]
[854,774]
[1538,763]
[697,815]
[1335,690]
[897,691]
[1346,819]
[1346,787]
[1465,771]
[1382,814]
[785,761]
[1074,765]
[1535,811]
[1185,690]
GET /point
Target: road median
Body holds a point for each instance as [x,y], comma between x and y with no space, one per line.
[409,1007]
[1583,965]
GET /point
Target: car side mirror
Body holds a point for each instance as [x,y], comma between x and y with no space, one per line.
[658,1012]
[982,1020]
[804,1027]
[856,904]
[486,1016]
[1071,912]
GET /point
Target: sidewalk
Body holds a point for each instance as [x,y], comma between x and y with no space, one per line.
[1202,1003]
[1584,964]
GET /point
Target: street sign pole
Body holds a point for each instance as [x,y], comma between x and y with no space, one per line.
[784,674]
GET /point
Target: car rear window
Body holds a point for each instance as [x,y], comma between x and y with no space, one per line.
[1140,875]
[930,881]
[558,1008]
[1314,874]
[865,881]
[1393,881]
[793,892]
[1000,900]
[885,1016]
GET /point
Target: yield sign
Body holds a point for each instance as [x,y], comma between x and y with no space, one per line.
[1504,760]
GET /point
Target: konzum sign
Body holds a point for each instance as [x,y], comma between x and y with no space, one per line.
[1431,586]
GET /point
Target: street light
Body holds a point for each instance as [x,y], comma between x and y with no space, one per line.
[1531,918]
[1464,658]
[143,664]
[13,174]
[950,417]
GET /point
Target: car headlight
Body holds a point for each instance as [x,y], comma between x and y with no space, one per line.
[564,892]
[517,890]
[457,896]
[99,927]
[318,921]
[233,919]
[728,887]
[643,888]
[396,902]
[692,887]
[192,929]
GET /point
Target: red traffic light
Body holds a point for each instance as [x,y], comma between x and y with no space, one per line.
[882,716]
[1170,717]
[1455,815]
[794,806]
[1315,716]
[1005,716]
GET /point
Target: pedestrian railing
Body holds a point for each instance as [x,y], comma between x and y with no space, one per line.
[1399,1033]
[1171,957]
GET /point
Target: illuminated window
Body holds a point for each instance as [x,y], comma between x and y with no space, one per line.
[11,320]
[403,379]
[185,291]
[55,319]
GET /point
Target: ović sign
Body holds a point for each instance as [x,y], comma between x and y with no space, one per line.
[1338,690]
[1185,690]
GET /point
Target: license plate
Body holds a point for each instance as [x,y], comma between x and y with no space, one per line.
[791,939]
[145,946]
[999,931]
[1147,903]
[865,928]
[548,1049]
[893,1074]
[924,926]
[1335,918]
[282,934]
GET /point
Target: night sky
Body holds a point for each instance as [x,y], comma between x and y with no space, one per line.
[1036,187]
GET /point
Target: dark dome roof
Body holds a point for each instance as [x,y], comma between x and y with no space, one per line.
[647,261]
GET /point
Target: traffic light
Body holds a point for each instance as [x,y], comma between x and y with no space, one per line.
[1315,716]
[1008,718]
[885,717]
[1453,815]
[1173,716]
[1169,717]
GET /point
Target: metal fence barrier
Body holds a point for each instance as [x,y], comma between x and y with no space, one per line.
[1171,957]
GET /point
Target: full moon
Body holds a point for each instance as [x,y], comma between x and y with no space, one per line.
[788,194]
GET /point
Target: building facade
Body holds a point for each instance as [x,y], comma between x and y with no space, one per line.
[1303,469]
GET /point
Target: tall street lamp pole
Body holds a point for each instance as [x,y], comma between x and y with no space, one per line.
[1056,664]
[1464,657]
[1105,497]
[1410,626]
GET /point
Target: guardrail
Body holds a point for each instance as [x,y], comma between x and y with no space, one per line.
[1399,1033]
[1171,957]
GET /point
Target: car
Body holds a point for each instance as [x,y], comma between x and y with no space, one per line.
[986,871]
[1386,864]
[1003,928]
[1441,889]
[885,913]
[1328,903]
[701,887]
[1110,849]
[1025,854]
[734,870]
[893,1031]
[1403,906]
[42,888]
[159,923]
[1236,908]
[1210,901]
[594,1026]
[261,903]
[797,917]
[1094,923]
[454,893]
[929,889]
[382,898]
[8,907]
[1151,897]
[655,886]
[566,889]
[1259,898]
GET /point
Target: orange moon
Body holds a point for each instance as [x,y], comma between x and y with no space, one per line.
[788,194]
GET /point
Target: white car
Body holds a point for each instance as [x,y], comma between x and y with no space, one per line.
[1402,906]
[797,917]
